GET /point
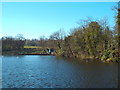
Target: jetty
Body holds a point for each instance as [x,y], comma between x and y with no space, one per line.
[34,54]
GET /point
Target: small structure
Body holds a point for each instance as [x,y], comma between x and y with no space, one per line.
[50,50]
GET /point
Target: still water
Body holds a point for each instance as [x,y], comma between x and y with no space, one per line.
[52,72]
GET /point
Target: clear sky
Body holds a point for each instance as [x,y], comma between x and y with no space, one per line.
[34,19]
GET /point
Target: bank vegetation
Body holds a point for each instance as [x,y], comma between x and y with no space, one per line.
[93,39]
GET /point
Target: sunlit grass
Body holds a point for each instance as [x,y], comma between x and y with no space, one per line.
[33,47]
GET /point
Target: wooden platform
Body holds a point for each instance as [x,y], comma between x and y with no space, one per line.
[34,54]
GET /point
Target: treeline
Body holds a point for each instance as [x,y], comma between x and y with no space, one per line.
[93,39]
[18,42]
[11,44]
[42,42]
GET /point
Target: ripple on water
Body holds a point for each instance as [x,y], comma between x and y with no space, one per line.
[43,71]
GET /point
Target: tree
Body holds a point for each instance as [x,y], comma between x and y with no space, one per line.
[92,36]
[42,41]
[19,41]
[58,38]
[10,43]
[118,29]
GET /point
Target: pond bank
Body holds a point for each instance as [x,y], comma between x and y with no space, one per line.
[41,52]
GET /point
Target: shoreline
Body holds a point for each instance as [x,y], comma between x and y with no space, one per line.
[34,54]
[9,53]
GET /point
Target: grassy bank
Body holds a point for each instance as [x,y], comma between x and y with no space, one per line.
[25,50]
[36,50]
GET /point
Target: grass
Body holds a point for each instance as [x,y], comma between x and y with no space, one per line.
[37,47]
[33,50]
[26,50]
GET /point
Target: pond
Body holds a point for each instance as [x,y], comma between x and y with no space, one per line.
[30,71]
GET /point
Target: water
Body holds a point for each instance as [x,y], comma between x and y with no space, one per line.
[52,72]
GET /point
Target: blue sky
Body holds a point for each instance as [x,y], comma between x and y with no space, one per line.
[34,19]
